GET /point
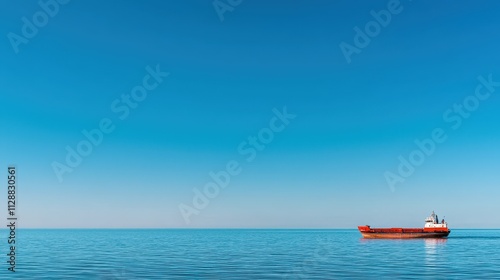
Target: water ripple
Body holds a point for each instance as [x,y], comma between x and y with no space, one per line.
[252,254]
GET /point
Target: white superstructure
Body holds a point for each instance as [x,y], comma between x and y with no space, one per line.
[433,222]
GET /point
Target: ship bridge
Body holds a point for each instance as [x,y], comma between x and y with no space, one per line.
[433,222]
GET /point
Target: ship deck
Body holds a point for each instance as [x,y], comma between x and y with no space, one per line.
[368,232]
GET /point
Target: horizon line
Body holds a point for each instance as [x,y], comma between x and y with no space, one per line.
[208,228]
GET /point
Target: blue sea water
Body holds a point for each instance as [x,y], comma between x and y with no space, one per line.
[248,254]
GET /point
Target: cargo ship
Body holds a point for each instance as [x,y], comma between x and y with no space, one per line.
[432,229]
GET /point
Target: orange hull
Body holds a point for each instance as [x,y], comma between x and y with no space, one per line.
[368,232]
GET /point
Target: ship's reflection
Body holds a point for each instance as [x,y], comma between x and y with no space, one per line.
[431,250]
[429,242]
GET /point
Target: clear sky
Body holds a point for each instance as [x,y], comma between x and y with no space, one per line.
[325,168]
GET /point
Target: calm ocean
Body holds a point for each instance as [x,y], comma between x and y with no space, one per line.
[249,254]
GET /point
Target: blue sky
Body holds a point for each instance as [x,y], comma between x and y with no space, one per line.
[325,169]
